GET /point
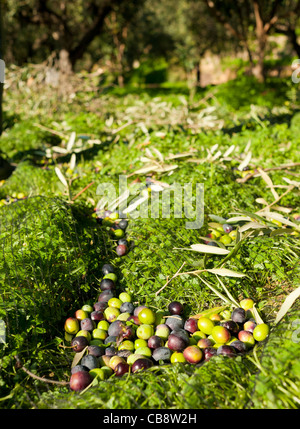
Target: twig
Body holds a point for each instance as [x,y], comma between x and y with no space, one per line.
[82,190]
[57,133]
[45,380]
[169,280]
[122,127]
[278,199]
[256,173]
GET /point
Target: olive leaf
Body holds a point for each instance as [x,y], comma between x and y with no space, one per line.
[59,149]
[269,182]
[73,161]
[71,141]
[61,177]
[256,315]
[233,301]
[225,272]
[289,301]
[78,356]
[281,231]
[245,162]
[217,218]
[219,294]
[238,219]
[251,225]
[280,218]
[209,312]
[205,248]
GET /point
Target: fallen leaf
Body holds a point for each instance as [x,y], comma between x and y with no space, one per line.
[204,248]
[289,301]
[225,272]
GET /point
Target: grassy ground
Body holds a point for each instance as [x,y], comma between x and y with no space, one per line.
[53,249]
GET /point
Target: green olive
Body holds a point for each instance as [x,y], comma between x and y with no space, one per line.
[261,332]
[205,325]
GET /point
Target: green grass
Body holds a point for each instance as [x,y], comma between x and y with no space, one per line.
[52,251]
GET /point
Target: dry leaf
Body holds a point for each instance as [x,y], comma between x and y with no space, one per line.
[279,217]
[292,182]
[204,248]
[225,272]
[78,357]
[261,201]
[229,151]
[61,177]
[289,301]
[214,147]
[233,301]
[149,153]
[71,141]
[72,161]
[59,149]
[286,210]
[219,294]
[159,154]
[245,162]
[251,225]
[238,219]
[269,182]
[145,159]
[133,206]
[256,315]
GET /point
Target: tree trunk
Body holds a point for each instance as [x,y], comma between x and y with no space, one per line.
[198,74]
[290,32]
[77,53]
[293,39]
[262,42]
[1,71]
[261,57]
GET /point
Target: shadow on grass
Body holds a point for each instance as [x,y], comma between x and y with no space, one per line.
[8,120]
[269,120]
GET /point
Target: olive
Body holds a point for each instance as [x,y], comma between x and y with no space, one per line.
[226,350]
[175,307]
[107,268]
[123,224]
[121,369]
[238,315]
[80,380]
[205,325]
[261,332]
[141,364]
[78,343]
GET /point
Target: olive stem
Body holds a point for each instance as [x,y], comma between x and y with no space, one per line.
[169,280]
[45,380]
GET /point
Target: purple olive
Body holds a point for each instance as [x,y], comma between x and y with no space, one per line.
[175,307]
[141,364]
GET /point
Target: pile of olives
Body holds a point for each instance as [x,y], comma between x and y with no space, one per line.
[223,233]
[14,197]
[117,227]
[116,337]
[226,233]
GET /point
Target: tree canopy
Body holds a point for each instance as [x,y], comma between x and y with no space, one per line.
[126,33]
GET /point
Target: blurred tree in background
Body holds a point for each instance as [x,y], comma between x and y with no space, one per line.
[130,39]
